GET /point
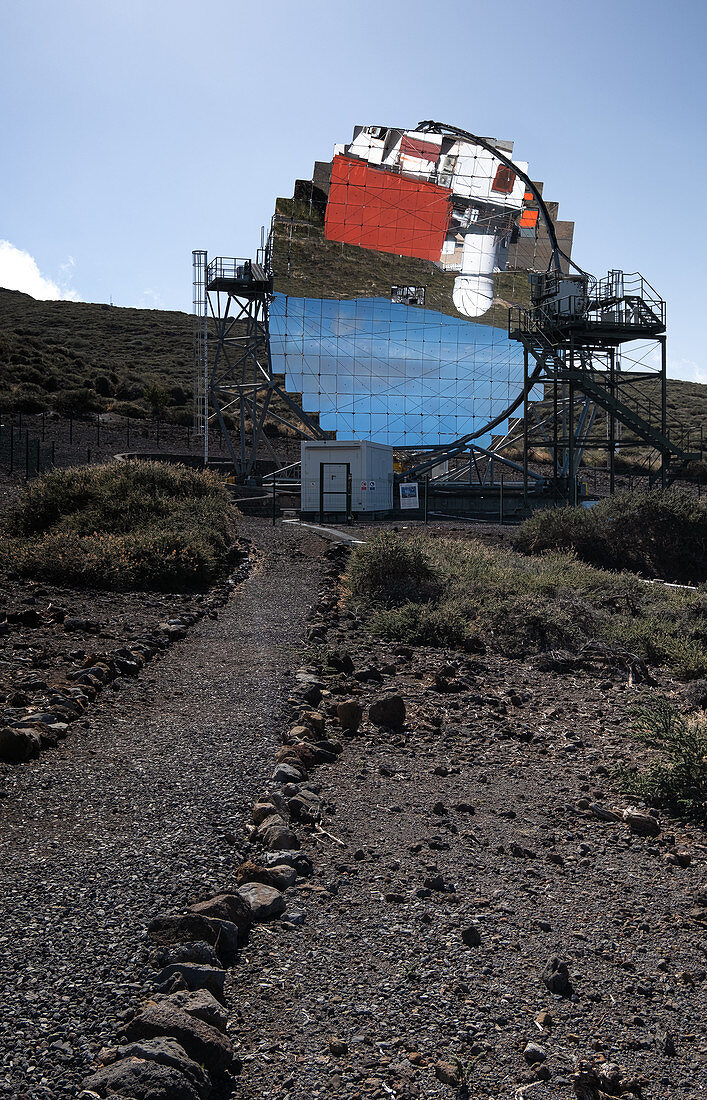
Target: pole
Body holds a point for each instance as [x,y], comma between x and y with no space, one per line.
[27,453]
[44,417]
[427,485]
[612,424]
[663,411]
[128,439]
[571,479]
[98,429]
[525,429]
[555,428]
[12,449]
[274,500]
[500,499]
[37,455]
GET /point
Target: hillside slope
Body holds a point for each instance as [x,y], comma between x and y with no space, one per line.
[131,360]
[50,349]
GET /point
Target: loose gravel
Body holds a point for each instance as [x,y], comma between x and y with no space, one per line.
[138,812]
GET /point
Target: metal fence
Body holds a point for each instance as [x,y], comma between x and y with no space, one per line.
[24,453]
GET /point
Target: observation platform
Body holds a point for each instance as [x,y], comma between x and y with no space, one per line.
[616,310]
[241,277]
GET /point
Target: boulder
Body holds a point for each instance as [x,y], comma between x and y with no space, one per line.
[226,906]
[471,936]
[197,952]
[200,1004]
[261,810]
[280,877]
[224,936]
[298,754]
[265,902]
[368,674]
[388,711]
[165,1052]
[18,744]
[299,860]
[305,806]
[296,734]
[556,977]
[339,661]
[203,1043]
[534,1054]
[448,1074]
[288,773]
[275,835]
[141,1079]
[313,719]
[640,823]
[196,976]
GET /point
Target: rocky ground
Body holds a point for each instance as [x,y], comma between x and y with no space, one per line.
[484,912]
[466,857]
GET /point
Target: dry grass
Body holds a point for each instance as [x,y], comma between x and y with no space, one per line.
[123,526]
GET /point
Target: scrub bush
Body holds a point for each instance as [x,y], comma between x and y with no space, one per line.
[657,534]
[442,592]
[391,571]
[679,780]
[122,526]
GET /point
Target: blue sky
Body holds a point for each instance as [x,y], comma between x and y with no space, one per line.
[134,131]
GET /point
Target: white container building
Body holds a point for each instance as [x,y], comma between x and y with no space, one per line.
[342,477]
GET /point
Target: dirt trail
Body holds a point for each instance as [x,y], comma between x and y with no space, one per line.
[128,817]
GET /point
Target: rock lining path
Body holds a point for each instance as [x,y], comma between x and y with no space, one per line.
[130,816]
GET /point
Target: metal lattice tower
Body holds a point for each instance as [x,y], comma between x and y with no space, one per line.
[574,337]
[234,384]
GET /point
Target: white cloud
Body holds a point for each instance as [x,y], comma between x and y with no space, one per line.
[19,271]
[688,370]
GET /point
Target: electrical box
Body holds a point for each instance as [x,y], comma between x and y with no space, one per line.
[342,477]
[560,295]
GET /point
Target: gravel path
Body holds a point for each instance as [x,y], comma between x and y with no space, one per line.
[136,812]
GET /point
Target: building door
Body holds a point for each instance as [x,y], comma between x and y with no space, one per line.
[334,487]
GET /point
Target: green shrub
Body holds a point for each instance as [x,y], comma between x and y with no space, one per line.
[183,415]
[27,399]
[129,409]
[451,593]
[390,570]
[422,624]
[679,781]
[531,623]
[658,534]
[557,529]
[129,525]
[157,397]
[76,402]
[103,386]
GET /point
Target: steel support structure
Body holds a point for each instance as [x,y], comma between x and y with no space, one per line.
[580,353]
[234,382]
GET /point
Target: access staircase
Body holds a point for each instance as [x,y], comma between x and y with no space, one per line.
[566,343]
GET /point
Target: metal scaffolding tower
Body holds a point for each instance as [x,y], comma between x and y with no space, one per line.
[576,338]
[234,385]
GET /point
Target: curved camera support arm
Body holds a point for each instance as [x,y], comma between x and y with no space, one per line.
[431,127]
